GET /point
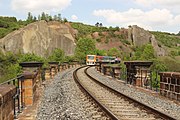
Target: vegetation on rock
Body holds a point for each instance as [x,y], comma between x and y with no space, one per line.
[84,47]
[85,30]
[87,38]
[167,39]
[9,24]
[9,62]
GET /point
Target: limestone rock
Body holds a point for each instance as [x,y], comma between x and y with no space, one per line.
[138,37]
[40,38]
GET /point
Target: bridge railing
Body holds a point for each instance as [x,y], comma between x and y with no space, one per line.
[18,96]
[139,74]
[22,91]
[151,82]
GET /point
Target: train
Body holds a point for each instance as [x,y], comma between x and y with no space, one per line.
[92,59]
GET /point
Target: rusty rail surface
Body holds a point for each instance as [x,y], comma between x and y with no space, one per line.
[109,113]
[144,106]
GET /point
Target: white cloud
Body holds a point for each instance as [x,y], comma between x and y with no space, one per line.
[156,18]
[170,3]
[74,17]
[37,6]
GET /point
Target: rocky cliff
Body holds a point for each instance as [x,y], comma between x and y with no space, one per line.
[138,37]
[40,38]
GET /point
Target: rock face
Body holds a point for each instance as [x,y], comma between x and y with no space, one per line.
[138,37]
[40,38]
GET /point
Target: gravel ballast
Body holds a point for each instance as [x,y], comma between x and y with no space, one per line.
[63,100]
[163,105]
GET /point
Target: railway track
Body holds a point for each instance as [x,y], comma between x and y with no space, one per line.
[113,103]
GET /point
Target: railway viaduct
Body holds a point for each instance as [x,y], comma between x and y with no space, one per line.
[19,97]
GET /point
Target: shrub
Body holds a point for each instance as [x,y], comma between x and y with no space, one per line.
[57,55]
[114,52]
[84,47]
[145,52]
[174,53]
[106,40]
[125,41]
[120,47]
[166,39]
[98,39]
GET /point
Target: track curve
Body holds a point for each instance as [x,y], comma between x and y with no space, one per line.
[114,104]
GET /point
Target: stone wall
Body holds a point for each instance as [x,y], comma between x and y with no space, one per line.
[170,85]
[7,102]
[29,87]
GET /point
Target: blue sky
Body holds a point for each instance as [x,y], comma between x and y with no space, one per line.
[157,15]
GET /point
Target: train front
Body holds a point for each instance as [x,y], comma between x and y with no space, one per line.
[90,59]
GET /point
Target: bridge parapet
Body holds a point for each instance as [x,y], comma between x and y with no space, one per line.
[116,71]
[22,91]
[170,85]
[109,69]
[7,92]
[54,68]
[29,86]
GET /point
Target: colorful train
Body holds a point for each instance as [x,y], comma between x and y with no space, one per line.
[92,59]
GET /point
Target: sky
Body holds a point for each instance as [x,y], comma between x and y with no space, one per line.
[153,15]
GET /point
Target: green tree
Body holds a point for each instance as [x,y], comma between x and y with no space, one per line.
[100,24]
[30,17]
[101,52]
[145,52]
[148,52]
[39,17]
[117,28]
[97,24]
[114,52]
[57,55]
[8,66]
[34,18]
[158,65]
[138,52]
[47,17]
[65,20]
[55,17]
[29,58]
[69,58]
[59,17]
[84,47]
[43,16]
[50,18]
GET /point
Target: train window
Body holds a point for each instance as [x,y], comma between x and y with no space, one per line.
[91,57]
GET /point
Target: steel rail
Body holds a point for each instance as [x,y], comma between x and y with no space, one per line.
[109,113]
[157,112]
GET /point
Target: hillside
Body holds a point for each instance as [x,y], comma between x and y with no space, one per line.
[41,37]
[106,38]
[170,41]
[9,24]
[133,41]
[165,44]
[100,33]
